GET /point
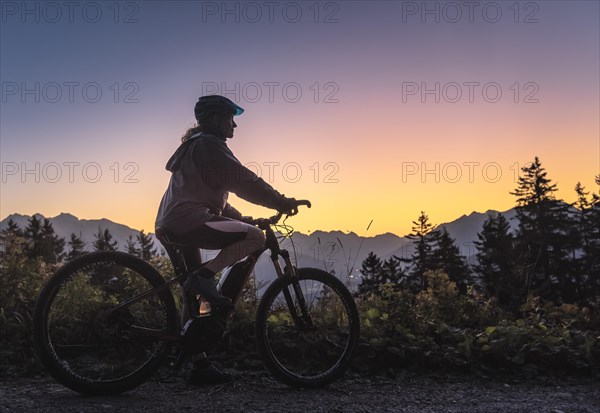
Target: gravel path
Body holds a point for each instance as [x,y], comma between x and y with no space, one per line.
[257,392]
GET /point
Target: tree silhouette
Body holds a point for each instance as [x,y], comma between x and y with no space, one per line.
[446,256]
[542,238]
[132,248]
[146,245]
[423,238]
[496,260]
[585,242]
[372,274]
[53,246]
[76,247]
[104,241]
[43,241]
[11,237]
[33,234]
[393,271]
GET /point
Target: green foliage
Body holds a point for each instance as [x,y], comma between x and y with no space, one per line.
[439,327]
[21,278]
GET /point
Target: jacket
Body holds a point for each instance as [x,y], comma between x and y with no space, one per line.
[204,171]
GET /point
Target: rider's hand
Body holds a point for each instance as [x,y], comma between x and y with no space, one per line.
[257,222]
[247,219]
[261,222]
[288,206]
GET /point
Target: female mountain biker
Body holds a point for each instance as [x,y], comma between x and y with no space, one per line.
[194,210]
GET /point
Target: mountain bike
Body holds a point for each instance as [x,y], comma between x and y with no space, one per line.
[105,322]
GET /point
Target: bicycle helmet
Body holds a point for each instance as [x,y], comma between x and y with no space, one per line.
[215,104]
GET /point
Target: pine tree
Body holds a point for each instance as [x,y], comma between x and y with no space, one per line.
[372,274]
[446,256]
[392,271]
[11,237]
[496,260]
[592,251]
[53,247]
[542,238]
[13,228]
[19,275]
[33,234]
[104,241]
[76,247]
[423,238]
[147,246]
[43,241]
[586,242]
[132,248]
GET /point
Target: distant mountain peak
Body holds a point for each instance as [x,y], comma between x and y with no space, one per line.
[66,215]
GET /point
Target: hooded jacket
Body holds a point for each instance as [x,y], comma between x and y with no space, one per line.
[204,171]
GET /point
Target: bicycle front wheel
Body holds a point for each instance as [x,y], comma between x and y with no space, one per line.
[88,344]
[308,348]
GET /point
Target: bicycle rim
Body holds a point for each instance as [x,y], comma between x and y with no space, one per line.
[301,355]
[87,345]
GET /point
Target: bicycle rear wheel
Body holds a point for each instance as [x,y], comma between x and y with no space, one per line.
[313,353]
[87,345]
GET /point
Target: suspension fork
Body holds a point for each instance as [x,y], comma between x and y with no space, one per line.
[302,320]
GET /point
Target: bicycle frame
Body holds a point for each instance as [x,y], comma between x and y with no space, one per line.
[303,321]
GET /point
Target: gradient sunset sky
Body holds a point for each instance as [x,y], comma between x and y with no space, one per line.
[372,110]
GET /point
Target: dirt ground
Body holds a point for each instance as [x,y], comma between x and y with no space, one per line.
[258,392]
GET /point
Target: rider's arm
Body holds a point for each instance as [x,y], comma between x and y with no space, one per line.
[231,212]
[226,171]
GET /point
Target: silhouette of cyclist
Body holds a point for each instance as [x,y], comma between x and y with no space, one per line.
[194,210]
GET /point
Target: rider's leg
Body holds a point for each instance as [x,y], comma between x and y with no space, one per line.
[235,239]
[254,240]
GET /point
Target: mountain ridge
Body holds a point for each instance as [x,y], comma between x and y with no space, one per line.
[333,251]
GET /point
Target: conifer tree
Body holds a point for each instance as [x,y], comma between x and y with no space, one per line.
[496,260]
[33,234]
[542,238]
[446,256]
[392,271]
[372,274]
[592,252]
[12,228]
[104,241]
[76,247]
[132,248]
[586,246]
[43,241]
[53,246]
[11,238]
[17,272]
[146,245]
[423,238]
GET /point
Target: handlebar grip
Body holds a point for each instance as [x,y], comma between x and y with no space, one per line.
[304,202]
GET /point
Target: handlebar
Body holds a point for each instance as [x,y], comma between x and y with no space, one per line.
[264,223]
